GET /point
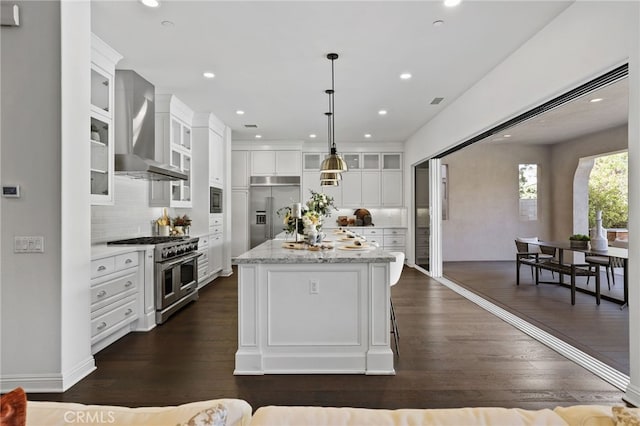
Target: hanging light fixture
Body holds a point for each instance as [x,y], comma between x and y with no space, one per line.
[334,162]
[330,179]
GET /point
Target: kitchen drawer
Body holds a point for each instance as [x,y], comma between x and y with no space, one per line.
[395,231]
[125,312]
[394,241]
[127,260]
[102,267]
[215,230]
[109,291]
[203,243]
[372,233]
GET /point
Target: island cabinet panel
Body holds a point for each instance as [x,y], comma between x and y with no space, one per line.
[314,308]
[313,312]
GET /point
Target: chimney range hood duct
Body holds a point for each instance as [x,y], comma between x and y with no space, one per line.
[134,125]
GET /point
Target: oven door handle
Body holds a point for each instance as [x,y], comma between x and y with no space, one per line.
[180,260]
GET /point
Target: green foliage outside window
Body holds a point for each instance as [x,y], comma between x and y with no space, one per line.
[608,191]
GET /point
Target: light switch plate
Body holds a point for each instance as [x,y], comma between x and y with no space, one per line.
[28,244]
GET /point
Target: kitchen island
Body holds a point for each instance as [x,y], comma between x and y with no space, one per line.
[313,312]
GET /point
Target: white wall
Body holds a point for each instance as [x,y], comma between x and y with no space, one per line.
[45,328]
[564,161]
[586,40]
[130,216]
[483,201]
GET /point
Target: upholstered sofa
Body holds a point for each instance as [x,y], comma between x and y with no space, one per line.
[239,413]
[236,412]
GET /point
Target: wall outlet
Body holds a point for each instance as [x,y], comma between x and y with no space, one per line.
[314,287]
[28,244]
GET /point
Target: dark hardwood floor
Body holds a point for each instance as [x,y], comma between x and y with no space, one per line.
[452,354]
[601,331]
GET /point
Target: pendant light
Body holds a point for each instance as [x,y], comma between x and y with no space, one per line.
[329,178]
[334,162]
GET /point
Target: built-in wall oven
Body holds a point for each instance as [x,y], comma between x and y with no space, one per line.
[215,200]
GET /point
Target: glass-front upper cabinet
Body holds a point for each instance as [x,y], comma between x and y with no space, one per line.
[174,119]
[103,62]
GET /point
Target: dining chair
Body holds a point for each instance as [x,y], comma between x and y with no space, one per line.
[609,262]
[535,251]
[395,270]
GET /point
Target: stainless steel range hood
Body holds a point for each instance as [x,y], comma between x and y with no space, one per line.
[134,125]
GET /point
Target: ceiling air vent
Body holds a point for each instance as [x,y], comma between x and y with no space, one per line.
[436,101]
[251,126]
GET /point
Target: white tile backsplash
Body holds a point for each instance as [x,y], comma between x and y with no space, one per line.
[129,217]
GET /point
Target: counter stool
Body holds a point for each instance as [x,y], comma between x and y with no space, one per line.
[395,270]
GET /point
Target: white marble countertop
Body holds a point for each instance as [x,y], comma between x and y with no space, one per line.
[272,252]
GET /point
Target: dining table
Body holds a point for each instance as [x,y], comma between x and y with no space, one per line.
[620,252]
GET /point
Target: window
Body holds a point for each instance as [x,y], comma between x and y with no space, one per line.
[528,190]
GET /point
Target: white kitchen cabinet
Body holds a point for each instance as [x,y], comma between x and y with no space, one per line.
[392,189]
[173,137]
[371,188]
[239,221]
[114,287]
[216,159]
[311,161]
[239,169]
[216,249]
[203,260]
[216,243]
[392,161]
[275,163]
[101,139]
[352,188]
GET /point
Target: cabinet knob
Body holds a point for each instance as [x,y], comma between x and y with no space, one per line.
[102,293]
[128,312]
[128,284]
[102,325]
[128,261]
[101,268]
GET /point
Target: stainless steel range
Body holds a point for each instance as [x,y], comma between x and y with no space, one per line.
[176,272]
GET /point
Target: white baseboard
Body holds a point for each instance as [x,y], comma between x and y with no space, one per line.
[632,395]
[48,383]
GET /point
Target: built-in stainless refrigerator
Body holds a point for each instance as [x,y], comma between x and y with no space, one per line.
[268,194]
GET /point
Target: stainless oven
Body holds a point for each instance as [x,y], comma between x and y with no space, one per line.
[176,284]
[215,200]
[175,272]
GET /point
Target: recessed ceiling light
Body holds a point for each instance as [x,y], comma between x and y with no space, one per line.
[167,24]
[150,3]
[240,112]
[208,74]
[367,135]
[451,3]
[595,100]
[405,76]
[258,136]
[438,23]
[312,135]
[382,112]
[506,136]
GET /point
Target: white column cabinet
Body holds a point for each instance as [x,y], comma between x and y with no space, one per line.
[392,189]
[103,63]
[239,221]
[216,159]
[239,169]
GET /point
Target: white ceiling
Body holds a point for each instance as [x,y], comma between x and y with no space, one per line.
[574,119]
[269,58]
